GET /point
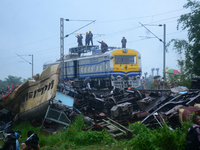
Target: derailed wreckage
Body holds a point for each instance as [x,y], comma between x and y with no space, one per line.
[37,100]
[54,104]
[133,105]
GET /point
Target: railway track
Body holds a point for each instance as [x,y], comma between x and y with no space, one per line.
[106,92]
[114,128]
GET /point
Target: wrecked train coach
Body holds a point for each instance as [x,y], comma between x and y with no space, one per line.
[39,100]
[31,99]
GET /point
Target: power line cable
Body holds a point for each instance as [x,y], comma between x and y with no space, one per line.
[31,43]
[140,17]
[152,33]
[80,28]
[112,34]
[166,19]
[155,37]
[73,43]
[100,22]
[107,36]
[23,58]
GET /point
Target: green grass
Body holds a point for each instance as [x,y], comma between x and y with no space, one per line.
[74,138]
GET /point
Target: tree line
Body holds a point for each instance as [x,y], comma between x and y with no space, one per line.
[190,47]
[11,80]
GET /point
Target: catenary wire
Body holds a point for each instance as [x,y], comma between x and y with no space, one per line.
[107,36]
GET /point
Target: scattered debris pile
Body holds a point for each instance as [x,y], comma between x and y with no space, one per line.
[115,110]
[151,108]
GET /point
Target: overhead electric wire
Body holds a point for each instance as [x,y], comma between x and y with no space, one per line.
[25,61]
[119,32]
[75,31]
[140,17]
[105,36]
[23,58]
[30,43]
[47,49]
[155,37]
[166,19]
[77,20]
[112,34]
[98,22]
[80,28]
[10,57]
[152,32]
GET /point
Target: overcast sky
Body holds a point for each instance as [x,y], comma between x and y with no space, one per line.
[33,28]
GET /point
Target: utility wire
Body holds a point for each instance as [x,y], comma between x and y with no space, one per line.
[141,17]
[152,33]
[23,58]
[104,22]
[77,20]
[80,28]
[73,43]
[109,35]
[32,43]
[52,49]
[166,19]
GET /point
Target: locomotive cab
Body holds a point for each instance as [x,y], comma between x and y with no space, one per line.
[126,68]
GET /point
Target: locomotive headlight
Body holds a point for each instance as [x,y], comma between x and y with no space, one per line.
[138,77]
[125,50]
[119,77]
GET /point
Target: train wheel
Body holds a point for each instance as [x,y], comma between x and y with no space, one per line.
[110,102]
[138,94]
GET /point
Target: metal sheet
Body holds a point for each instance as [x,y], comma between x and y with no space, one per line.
[67,100]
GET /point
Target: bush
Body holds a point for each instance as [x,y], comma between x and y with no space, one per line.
[75,136]
[162,138]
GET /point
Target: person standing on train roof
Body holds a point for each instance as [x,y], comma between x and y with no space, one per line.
[77,39]
[86,39]
[90,36]
[123,41]
[100,43]
[104,47]
[80,39]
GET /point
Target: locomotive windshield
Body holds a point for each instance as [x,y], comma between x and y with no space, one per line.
[125,59]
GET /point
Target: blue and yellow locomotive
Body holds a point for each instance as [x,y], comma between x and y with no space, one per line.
[118,67]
